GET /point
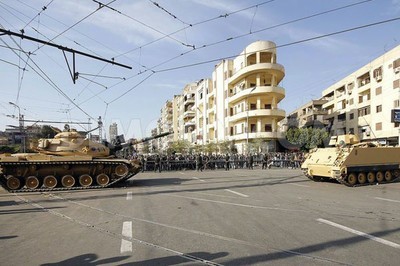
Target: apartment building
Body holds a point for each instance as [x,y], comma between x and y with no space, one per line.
[238,103]
[363,103]
[113,131]
[252,94]
[310,114]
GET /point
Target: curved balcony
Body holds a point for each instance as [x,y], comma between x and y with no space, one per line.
[276,91]
[255,135]
[272,113]
[275,69]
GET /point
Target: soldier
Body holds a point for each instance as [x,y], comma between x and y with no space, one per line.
[199,163]
[250,161]
[227,166]
[265,162]
[143,162]
[157,164]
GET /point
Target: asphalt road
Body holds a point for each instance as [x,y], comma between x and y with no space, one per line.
[237,217]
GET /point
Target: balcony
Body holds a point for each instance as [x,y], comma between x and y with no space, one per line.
[188,113]
[255,135]
[277,91]
[276,69]
[278,113]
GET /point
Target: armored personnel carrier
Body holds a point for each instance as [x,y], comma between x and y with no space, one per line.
[68,161]
[353,163]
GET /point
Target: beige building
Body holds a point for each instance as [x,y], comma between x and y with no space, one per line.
[363,102]
[310,114]
[239,103]
[252,94]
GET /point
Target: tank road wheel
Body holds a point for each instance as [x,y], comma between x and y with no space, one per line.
[371,177]
[352,179]
[50,181]
[85,180]
[121,170]
[380,177]
[396,173]
[32,182]
[388,176]
[68,181]
[102,179]
[362,178]
[13,182]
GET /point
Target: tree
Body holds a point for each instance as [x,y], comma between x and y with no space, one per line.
[307,138]
[181,146]
[225,146]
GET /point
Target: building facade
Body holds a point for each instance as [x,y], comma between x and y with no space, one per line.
[309,115]
[363,102]
[113,131]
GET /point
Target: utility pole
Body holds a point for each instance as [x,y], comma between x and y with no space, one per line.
[100,124]
[21,127]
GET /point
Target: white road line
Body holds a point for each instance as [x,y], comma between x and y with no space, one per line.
[387,199]
[237,193]
[298,185]
[377,239]
[126,246]
[129,196]
[198,179]
[236,204]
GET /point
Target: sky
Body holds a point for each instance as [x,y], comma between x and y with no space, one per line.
[169,44]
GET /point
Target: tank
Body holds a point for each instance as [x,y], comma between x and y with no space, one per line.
[68,161]
[353,163]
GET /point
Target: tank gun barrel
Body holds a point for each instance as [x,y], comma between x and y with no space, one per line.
[133,142]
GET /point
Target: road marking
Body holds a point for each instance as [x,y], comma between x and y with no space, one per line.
[128,195]
[126,246]
[240,205]
[237,193]
[198,179]
[377,239]
[298,185]
[398,201]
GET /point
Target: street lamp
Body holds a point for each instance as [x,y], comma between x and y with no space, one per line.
[247,99]
[21,126]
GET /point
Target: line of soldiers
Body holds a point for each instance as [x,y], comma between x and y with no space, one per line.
[201,162]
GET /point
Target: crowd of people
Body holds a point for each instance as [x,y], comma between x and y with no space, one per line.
[202,162]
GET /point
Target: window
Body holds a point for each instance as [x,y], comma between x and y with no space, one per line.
[351,102]
[378,74]
[253,128]
[379,108]
[378,126]
[267,106]
[253,106]
[268,128]
[364,111]
[396,103]
[378,91]
[396,84]
[351,117]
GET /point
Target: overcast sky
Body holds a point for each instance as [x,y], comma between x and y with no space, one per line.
[169,43]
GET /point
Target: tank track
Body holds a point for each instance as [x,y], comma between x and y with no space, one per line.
[343,181]
[44,189]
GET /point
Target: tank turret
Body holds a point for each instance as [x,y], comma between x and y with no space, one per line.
[67,161]
[352,162]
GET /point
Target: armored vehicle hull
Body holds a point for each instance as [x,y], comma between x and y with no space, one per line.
[68,161]
[37,172]
[354,165]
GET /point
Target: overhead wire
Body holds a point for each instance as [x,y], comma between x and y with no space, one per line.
[73,25]
[195,24]
[169,13]
[284,45]
[48,80]
[38,14]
